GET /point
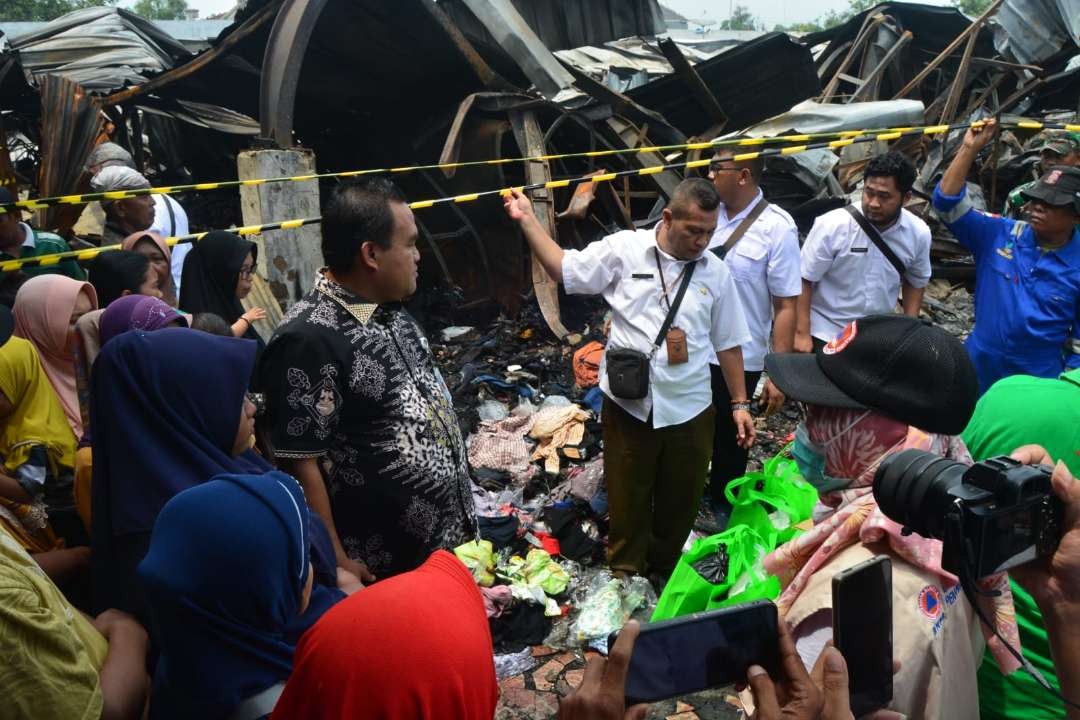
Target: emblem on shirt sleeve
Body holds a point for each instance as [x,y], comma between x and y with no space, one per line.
[321,400]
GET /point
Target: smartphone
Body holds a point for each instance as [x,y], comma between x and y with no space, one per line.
[699,651]
[862,631]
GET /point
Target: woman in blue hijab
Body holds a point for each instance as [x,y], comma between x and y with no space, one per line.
[169,411]
[227,571]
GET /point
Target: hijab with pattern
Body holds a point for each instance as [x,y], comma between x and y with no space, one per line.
[225,575]
[855,442]
[43,308]
[137,312]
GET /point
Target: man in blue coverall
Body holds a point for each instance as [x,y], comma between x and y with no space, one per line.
[1027,275]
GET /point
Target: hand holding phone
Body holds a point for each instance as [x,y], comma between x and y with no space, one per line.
[862,631]
[699,651]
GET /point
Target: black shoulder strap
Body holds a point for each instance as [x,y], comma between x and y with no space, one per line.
[879,242]
[722,251]
[172,216]
[678,299]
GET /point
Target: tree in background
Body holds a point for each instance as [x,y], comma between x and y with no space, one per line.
[44,10]
[971,8]
[160,9]
[741,19]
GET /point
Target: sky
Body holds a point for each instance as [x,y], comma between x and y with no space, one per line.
[772,12]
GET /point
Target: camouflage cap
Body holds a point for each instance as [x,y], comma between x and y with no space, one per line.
[1060,143]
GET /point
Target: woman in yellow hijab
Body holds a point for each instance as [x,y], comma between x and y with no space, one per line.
[37,446]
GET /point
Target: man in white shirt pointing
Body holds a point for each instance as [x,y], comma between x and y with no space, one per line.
[657,445]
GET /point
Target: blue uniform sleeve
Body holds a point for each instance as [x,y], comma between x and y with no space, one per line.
[1072,348]
[975,230]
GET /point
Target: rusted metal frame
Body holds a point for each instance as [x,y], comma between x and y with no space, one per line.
[1020,94]
[949,50]
[520,42]
[667,180]
[959,83]
[622,105]
[282,62]
[696,85]
[870,80]
[870,23]
[249,26]
[991,86]
[530,141]
[430,238]
[484,73]
[1003,65]
[466,223]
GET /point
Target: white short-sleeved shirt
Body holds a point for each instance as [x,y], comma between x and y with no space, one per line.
[168,225]
[851,277]
[622,268]
[765,264]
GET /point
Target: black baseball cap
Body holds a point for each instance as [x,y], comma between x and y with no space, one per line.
[7,324]
[1060,186]
[900,366]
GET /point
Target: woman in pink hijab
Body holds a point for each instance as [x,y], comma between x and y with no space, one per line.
[46,308]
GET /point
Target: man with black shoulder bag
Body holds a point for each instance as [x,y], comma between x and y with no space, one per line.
[674,306]
[856,261]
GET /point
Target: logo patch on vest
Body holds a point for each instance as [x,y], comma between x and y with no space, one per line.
[930,602]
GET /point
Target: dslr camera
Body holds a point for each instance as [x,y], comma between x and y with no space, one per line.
[991,516]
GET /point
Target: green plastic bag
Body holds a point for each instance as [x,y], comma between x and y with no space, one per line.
[704,575]
[773,501]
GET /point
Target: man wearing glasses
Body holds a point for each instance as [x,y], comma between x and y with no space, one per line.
[759,243]
[674,310]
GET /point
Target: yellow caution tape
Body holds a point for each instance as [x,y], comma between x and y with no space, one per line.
[849,139]
[883,134]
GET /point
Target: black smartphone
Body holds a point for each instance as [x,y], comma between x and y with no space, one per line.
[699,651]
[863,631]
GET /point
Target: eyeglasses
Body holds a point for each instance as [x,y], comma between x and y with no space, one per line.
[246,271]
[715,167]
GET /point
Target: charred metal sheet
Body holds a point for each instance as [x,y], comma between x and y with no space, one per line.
[518,40]
[531,142]
[70,123]
[101,48]
[1034,30]
[752,82]
[661,130]
[281,65]
[694,83]
[572,23]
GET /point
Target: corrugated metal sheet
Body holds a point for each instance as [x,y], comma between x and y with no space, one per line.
[101,49]
[70,123]
[1031,31]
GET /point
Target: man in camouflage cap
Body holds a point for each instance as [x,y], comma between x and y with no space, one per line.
[1055,149]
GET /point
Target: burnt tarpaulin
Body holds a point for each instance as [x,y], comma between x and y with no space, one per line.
[102,49]
[752,82]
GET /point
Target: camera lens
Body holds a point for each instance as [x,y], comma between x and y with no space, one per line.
[912,488]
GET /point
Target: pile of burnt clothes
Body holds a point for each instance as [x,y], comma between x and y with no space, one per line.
[529,407]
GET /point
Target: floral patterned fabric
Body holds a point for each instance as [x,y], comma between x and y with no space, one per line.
[854,447]
[354,384]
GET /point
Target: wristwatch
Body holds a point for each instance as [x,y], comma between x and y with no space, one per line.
[737,406]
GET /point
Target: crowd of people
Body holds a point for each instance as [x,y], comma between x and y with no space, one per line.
[195,522]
